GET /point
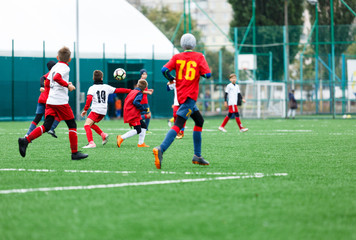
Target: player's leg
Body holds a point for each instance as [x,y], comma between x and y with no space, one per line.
[238,121]
[226,119]
[40,110]
[198,128]
[147,119]
[137,130]
[141,136]
[73,140]
[37,132]
[293,113]
[289,113]
[54,125]
[87,127]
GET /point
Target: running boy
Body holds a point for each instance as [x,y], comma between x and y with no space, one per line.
[41,104]
[57,106]
[233,98]
[189,66]
[146,115]
[98,98]
[132,115]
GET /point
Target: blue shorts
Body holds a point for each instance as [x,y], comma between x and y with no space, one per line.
[41,107]
[186,109]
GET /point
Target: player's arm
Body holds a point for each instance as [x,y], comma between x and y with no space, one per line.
[122,90]
[42,82]
[206,75]
[137,102]
[58,78]
[167,74]
[149,91]
[87,105]
[225,103]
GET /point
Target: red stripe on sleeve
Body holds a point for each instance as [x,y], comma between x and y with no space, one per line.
[122,90]
[58,78]
[88,102]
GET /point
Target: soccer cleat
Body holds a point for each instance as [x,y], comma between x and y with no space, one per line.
[199,160]
[53,133]
[90,145]
[23,143]
[79,155]
[142,145]
[158,156]
[105,138]
[148,132]
[222,129]
[243,129]
[119,140]
[180,135]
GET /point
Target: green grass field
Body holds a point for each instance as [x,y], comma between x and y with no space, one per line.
[239,196]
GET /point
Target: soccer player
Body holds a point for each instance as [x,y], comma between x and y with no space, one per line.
[98,98]
[41,104]
[146,115]
[233,98]
[57,106]
[172,86]
[132,115]
[189,66]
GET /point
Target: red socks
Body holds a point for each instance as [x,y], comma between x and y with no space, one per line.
[239,122]
[97,129]
[89,133]
[37,132]
[226,119]
[73,139]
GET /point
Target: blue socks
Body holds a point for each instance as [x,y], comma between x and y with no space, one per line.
[54,125]
[171,135]
[197,143]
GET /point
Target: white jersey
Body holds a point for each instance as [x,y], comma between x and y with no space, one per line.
[232,91]
[58,95]
[173,87]
[100,93]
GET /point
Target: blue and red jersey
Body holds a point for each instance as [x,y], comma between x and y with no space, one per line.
[189,66]
[133,106]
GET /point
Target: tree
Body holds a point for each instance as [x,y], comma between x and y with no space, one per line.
[343,30]
[268,13]
[167,21]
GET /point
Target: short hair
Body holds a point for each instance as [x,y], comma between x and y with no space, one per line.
[64,54]
[232,75]
[142,71]
[98,75]
[142,84]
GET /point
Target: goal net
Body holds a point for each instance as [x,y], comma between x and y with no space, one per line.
[264,99]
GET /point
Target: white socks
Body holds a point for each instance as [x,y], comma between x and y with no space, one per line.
[141,136]
[129,134]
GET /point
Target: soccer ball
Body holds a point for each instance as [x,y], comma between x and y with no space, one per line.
[119,74]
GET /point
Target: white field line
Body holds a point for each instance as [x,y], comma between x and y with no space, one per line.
[117,172]
[119,185]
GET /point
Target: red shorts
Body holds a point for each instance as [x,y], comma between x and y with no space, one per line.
[62,112]
[233,109]
[96,117]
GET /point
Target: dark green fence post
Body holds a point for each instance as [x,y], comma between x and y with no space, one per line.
[13,81]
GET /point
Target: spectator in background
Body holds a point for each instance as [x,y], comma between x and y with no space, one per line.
[111,105]
[118,107]
[292,104]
